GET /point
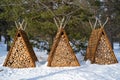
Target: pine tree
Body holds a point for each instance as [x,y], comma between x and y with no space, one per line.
[40,19]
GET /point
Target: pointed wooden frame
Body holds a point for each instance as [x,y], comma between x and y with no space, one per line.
[61,32]
[93,46]
[29,50]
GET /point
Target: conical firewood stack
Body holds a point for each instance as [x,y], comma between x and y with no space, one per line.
[21,54]
[99,48]
[61,53]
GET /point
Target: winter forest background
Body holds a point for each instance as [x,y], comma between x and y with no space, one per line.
[41,26]
[41,30]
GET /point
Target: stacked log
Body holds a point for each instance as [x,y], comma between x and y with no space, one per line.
[19,57]
[99,49]
[92,44]
[104,54]
[61,53]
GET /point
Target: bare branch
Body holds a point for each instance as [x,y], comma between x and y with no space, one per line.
[95,23]
[56,22]
[68,18]
[72,12]
[23,22]
[90,24]
[47,8]
[25,26]
[20,26]
[62,21]
[106,21]
[99,22]
[16,24]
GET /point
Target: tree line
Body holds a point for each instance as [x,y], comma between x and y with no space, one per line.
[40,23]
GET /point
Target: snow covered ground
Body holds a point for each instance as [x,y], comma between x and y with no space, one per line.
[86,71]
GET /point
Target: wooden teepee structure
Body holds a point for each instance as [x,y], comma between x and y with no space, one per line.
[99,48]
[61,53]
[21,54]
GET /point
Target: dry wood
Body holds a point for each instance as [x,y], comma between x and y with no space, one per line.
[66,21]
[16,25]
[21,25]
[21,54]
[90,24]
[99,49]
[99,22]
[56,22]
[62,22]
[25,26]
[61,53]
[93,27]
[106,21]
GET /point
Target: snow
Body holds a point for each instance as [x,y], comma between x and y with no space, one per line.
[86,71]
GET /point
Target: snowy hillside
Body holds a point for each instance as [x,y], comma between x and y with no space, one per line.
[86,71]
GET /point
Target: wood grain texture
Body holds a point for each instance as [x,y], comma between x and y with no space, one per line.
[61,53]
[99,48]
[21,54]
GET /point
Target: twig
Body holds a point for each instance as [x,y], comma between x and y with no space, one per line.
[106,21]
[47,8]
[90,24]
[25,25]
[56,22]
[58,19]
[68,18]
[72,12]
[62,21]
[16,24]
[99,22]
[95,23]
[20,26]
[23,22]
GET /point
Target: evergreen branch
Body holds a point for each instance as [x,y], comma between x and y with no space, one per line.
[47,8]
[72,12]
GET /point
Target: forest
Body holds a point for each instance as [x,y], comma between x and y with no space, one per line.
[39,16]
